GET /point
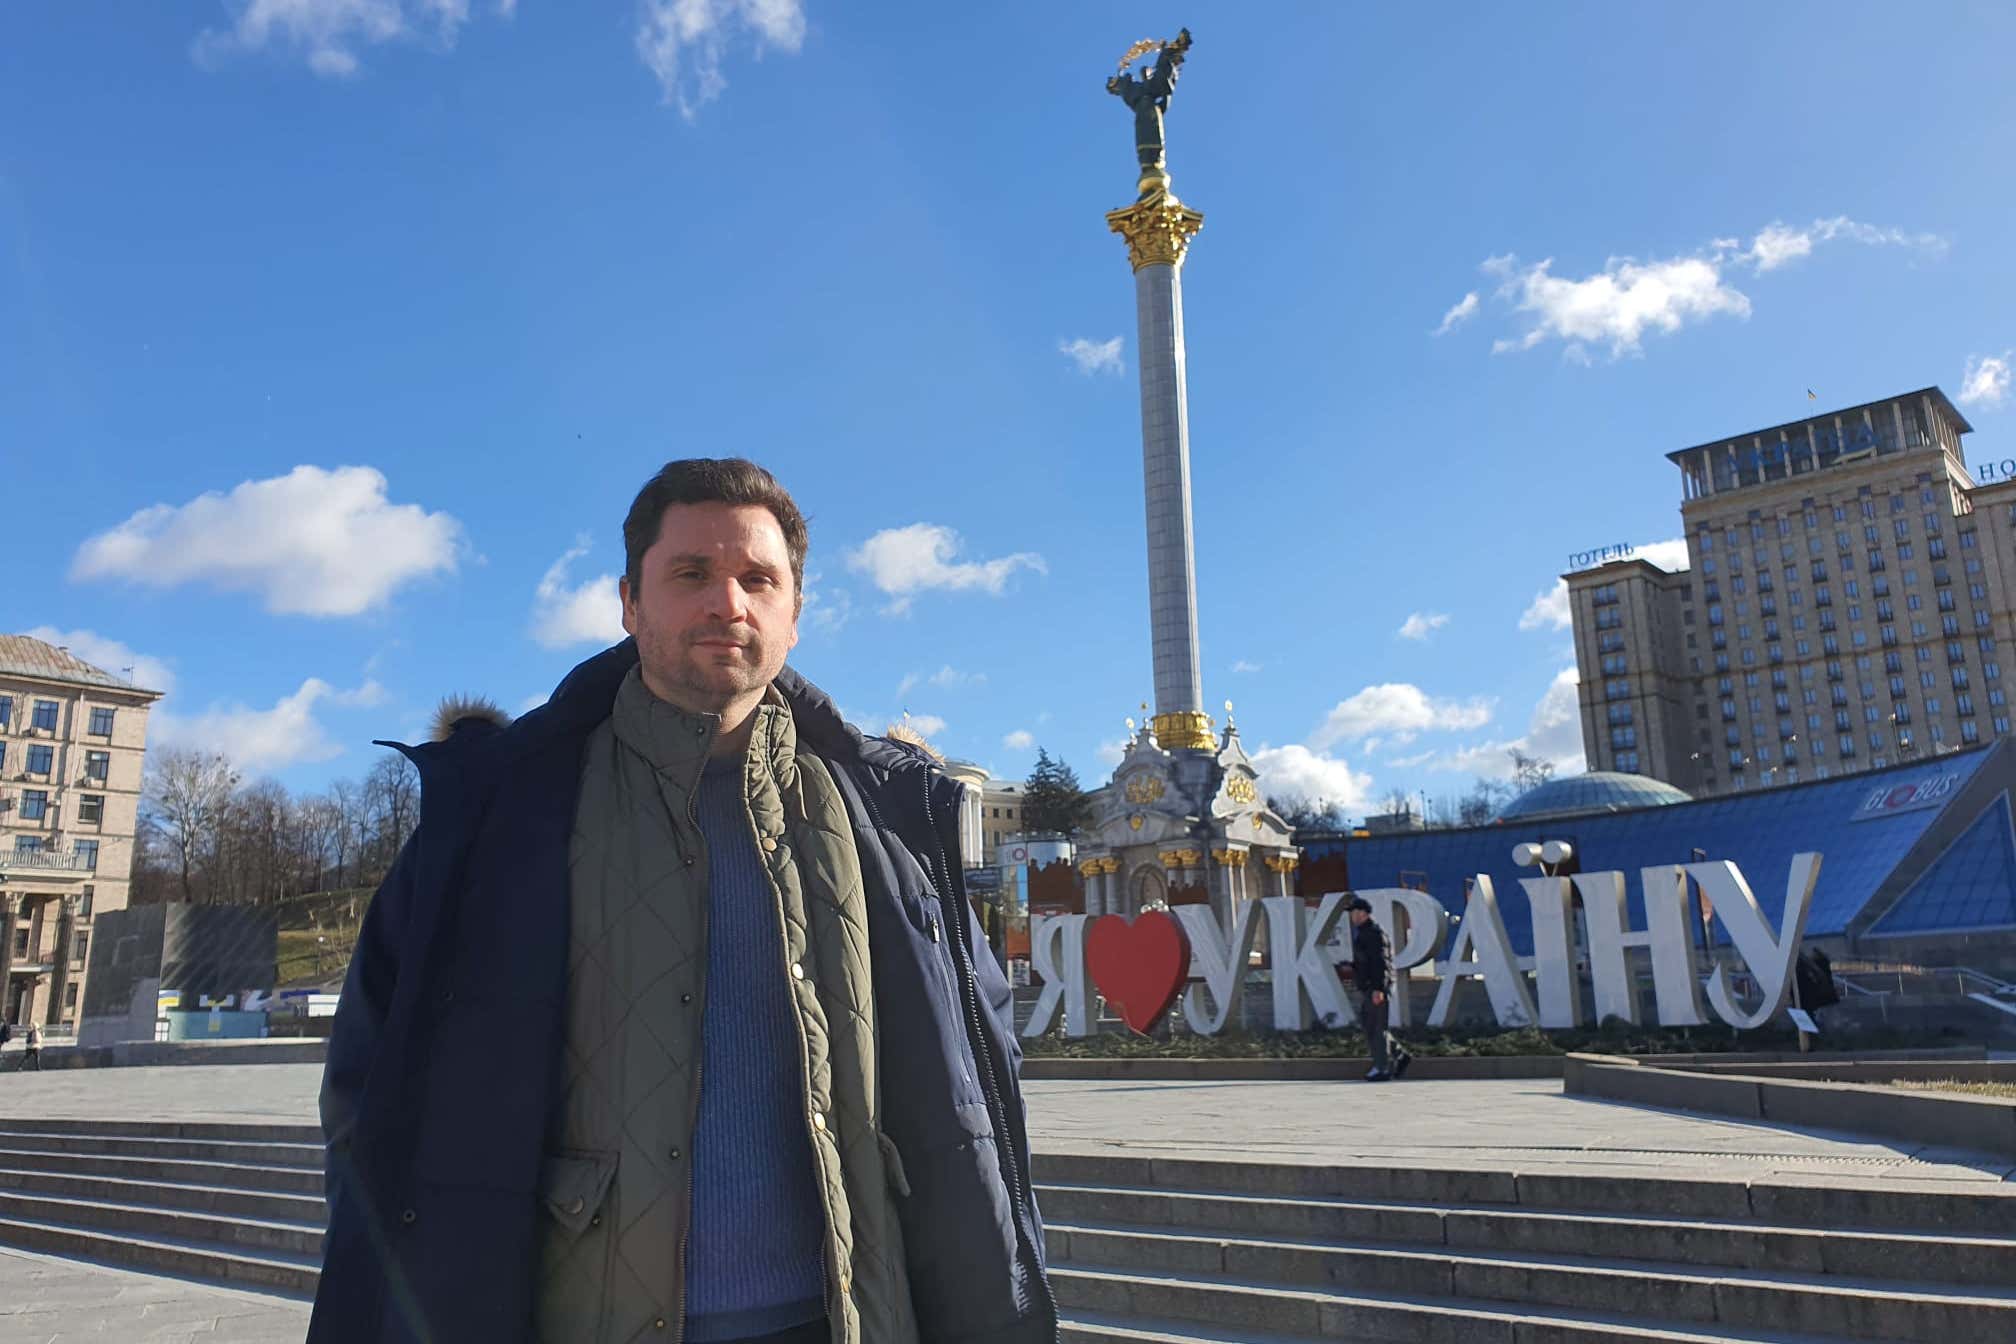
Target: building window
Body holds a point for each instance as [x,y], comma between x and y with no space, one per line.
[69,1002]
[44,716]
[2002,724]
[1620,713]
[1969,731]
[34,807]
[84,905]
[6,710]
[1627,761]
[25,844]
[87,850]
[80,948]
[98,765]
[41,760]
[91,808]
[1623,737]
[101,722]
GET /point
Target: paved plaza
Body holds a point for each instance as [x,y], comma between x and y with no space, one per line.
[1499,1124]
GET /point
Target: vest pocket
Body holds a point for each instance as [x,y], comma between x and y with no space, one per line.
[576,1246]
[572,1186]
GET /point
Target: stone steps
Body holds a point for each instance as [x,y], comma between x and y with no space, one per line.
[1691,1242]
[1532,1284]
[1175,1251]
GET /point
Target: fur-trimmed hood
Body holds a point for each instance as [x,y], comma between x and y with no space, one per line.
[457,710]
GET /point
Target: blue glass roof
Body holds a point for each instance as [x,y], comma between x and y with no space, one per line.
[1597,791]
[1971,886]
[1759,831]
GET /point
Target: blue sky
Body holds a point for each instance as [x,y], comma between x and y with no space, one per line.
[336,335]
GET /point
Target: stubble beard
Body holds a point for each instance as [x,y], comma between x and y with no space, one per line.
[677,671]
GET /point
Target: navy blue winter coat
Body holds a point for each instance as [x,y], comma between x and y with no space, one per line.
[444,1062]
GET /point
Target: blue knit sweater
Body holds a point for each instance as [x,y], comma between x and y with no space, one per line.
[753,1254]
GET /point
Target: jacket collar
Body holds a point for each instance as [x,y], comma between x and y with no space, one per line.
[587,694]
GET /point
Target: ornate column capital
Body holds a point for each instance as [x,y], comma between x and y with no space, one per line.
[1185,728]
[1109,864]
[1158,230]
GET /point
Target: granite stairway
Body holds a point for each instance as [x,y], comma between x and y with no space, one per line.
[1155,1251]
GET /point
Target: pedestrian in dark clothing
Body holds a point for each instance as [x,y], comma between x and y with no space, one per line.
[1372,970]
[34,1055]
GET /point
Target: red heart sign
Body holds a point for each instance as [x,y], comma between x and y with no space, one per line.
[1139,967]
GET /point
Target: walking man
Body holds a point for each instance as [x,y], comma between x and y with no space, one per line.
[1372,972]
[685,865]
[33,1054]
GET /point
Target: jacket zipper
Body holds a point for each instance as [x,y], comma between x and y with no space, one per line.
[805,1076]
[948,901]
[700,1054]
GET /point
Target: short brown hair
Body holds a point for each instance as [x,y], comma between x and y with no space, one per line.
[711,480]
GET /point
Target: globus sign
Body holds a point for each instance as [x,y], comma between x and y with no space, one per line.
[1892,799]
[1141,967]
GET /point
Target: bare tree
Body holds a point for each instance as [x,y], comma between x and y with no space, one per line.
[1529,772]
[344,813]
[1303,813]
[188,794]
[391,806]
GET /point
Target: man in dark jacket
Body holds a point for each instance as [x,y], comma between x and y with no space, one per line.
[1372,973]
[684,864]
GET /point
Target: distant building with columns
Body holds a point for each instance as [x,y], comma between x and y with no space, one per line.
[73,742]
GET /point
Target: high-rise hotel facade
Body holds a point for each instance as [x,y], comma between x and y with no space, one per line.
[1849,603]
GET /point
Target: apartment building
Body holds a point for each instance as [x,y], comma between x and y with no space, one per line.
[1849,604]
[73,742]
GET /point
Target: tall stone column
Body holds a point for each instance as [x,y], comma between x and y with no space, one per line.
[1158,230]
[9,907]
[59,971]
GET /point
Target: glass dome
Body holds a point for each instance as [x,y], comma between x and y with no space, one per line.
[1597,791]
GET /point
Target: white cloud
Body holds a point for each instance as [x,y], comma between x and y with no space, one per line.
[1294,771]
[312,542]
[1549,608]
[905,561]
[925,725]
[1093,356]
[265,739]
[1019,740]
[329,33]
[828,609]
[1421,624]
[1399,711]
[1986,382]
[1778,244]
[532,702]
[1112,752]
[1463,311]
[589,612]
[944,678]
[109,655]
[1243,666]
[1553,734]
[682,42]
[1617,306]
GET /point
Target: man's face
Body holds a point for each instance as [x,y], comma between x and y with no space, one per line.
[1358,917]
[715,611]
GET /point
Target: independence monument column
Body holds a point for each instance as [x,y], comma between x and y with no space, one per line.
[1158,228]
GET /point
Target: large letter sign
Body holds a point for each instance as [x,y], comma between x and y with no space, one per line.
[1770,958]
[1427,929]
[1142,964]
[1484,950]
[1304,975]
[1220,965]
[1057,953]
